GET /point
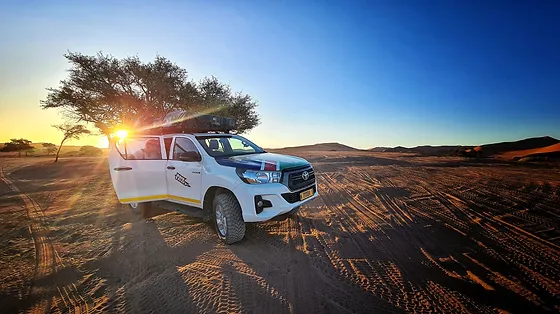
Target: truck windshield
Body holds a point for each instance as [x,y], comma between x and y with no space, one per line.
[228,145]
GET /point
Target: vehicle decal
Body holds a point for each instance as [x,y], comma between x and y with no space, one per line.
[182,179]
[142,198]
[265,161]
[158,197]
[270,165]
[186,199]
[246,164]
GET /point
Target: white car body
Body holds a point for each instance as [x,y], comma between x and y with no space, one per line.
[192,183]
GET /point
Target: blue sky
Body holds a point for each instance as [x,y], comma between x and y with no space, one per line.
[363,73]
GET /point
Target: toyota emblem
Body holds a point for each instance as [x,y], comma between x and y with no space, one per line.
[305,175]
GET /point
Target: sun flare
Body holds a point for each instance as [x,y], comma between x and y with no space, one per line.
[103,142]
[121,134]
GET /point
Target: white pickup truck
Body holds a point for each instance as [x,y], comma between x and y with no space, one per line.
[219,177]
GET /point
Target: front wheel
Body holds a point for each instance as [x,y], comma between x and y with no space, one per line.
[228,220]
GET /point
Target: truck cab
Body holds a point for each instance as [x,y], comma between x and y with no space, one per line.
[223,178]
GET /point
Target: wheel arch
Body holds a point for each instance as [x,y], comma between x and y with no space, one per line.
[209,196]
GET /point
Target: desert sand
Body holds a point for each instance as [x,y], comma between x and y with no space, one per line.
[389,234]
[555,148]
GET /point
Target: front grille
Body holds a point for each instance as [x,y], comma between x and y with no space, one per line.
[295,196]
[296,181]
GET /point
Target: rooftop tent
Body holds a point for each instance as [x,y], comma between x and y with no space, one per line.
[180,121]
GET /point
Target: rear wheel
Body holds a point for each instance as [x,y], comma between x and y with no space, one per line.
[228,219]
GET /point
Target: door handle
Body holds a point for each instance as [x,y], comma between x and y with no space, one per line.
[123,168]
[170,167]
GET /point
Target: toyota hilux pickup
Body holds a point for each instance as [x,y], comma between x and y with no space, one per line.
[223,178]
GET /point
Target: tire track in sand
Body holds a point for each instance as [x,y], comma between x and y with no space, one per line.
[45,257]
[531,260]
[386,277]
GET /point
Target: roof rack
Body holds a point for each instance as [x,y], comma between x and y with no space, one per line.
[196,124]
[174,130]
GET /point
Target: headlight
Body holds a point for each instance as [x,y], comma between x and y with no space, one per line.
[258,176]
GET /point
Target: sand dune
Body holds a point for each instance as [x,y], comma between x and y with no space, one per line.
[521,145]
[530,152]
[318,147]
[507,150]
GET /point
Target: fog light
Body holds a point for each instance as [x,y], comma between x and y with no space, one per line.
[261,204]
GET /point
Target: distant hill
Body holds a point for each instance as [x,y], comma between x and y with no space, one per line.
[541,146]
[441,150]
[379,149]
[320,147]
[400,149]
[425,150]
[521,145]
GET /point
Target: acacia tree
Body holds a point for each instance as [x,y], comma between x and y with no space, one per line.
[17,145]
[50,148]
[89,150]
[109,92]
[70,131]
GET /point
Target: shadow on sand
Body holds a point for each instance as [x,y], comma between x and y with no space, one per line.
[303,265]
[138,273]
[294,265]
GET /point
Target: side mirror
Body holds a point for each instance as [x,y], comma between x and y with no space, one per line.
[190,156]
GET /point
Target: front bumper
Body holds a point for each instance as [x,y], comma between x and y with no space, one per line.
[272,192]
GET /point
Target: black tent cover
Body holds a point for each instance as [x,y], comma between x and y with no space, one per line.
[180,121]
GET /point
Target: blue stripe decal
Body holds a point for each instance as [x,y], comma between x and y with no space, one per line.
[247,164]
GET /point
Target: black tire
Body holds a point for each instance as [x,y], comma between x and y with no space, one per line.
[234,226]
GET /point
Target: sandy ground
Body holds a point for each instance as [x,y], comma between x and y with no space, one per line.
[389,234]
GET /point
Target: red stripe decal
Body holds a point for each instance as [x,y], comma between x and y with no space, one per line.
[270,166]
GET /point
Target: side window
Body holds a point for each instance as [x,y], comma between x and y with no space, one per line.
[121,147]
[183,145]
[142,148]
[215,145]
[167,142]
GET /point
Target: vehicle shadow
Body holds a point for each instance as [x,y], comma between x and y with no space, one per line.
[136,273]
[141,272]
[296,273]
[318,267]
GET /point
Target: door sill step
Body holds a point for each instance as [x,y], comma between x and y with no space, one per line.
[183,209]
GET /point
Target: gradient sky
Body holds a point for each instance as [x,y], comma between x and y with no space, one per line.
[366,74]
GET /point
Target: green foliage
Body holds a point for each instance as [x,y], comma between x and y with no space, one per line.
[70,131]
[49,148]
[17,145]
[89,150]
[30,151]
[109,92]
